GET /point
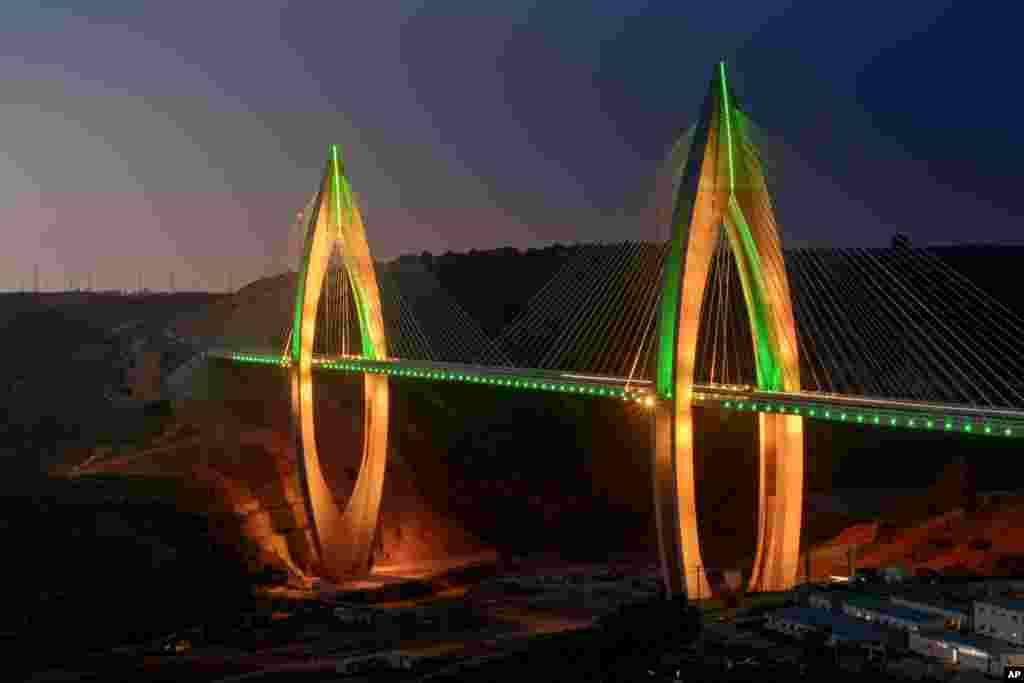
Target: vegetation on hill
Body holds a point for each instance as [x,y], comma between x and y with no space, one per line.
[521,472]
[59,358]
[545,461]
[106,562]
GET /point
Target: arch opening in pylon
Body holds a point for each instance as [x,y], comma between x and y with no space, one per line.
[719,188]
[343,537]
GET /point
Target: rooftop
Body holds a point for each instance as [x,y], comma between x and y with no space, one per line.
[842,625]
[1014,604]
[986,644]
[962,607]
[882,606]
[831,593]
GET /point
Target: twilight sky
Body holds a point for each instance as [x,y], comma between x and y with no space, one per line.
[161,137]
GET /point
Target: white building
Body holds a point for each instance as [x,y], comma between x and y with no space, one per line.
[980,653]
[800,621]
[887,613]
[377,662]
[955,616]
[1000,618]
[354,614]
[828,599]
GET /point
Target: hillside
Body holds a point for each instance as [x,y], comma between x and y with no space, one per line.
[108,562]
[261,310]
[984,542]
[524,473]
[248,313]
[948,528]
[61,359]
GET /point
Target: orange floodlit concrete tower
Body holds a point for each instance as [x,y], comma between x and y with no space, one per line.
[719,188]
[344,537]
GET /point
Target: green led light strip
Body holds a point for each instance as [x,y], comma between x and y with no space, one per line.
[727,114]
[882,418]
[925,422]
[520,382]
[342,191]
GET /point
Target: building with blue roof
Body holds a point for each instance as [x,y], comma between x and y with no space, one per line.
[886,613]
[830,599]
[981,653]
[958,614]
[1015,604]
[799,621]
[1001,618]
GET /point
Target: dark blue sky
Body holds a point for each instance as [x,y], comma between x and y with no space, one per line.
[159,137]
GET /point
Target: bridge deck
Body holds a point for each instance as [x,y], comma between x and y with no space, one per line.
[855,410]
[513,378]
[865,410]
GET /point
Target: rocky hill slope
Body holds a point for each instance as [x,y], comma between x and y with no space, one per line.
[521,472]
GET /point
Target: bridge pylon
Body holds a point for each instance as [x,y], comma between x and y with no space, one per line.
[343,537]
[720,189]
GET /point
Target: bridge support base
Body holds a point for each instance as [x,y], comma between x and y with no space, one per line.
[780,502]
[343,539]
[675,502]
[780,498]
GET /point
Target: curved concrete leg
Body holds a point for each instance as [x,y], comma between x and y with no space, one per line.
[721,188]
[344,537]
[780,498]
[675,503]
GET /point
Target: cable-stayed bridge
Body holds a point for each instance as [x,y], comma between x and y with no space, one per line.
[718,313]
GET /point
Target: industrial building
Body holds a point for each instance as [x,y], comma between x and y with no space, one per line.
[1000,618]
[932,622]
[830,599]
[799,621]
[957,615]
[887,613]
[981,653]
[354,615]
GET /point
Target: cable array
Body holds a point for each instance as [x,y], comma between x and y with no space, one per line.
[895,323]
[886,323]
[428,323]
[592,316]
[902,323]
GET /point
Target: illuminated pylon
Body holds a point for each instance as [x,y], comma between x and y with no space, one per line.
[721,185]
[344,538]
